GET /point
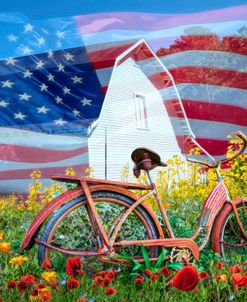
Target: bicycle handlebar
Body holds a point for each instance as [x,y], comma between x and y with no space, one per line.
[216,164]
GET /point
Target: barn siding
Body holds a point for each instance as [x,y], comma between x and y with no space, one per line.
[117,124]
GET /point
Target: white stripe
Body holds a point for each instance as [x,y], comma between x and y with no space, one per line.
[208,93]
[20,185]
[10,165]
[41,140]
[202,58]
[208,129]
[218,28]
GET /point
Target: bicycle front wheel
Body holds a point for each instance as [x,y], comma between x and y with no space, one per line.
[70,227]
[227,237]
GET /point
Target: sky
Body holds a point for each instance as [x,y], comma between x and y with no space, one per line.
[46,9]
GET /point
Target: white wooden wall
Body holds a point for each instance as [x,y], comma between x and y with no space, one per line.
[117,127]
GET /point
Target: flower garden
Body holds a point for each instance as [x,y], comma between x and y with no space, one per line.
[212,278]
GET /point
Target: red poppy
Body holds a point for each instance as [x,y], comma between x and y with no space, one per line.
[40,286]
[203,275]
[170,283]
[81,300]
[45,296]
[139,279]
[103,273]
[235,268]
[106,281]
[110,291]
[1,300]
[25,282]
[54,284]
[11,284]
[147,272]
[73,266]
[34,293]
[245,263]
[153,278]
[165,271]
[73,283]
[219,265]
[111,274]
[46,264]
[186,279]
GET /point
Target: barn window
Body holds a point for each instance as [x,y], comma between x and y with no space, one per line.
[141,111]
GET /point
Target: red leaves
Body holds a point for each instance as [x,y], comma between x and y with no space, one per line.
[186,279]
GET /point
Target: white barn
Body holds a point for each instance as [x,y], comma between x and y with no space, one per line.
[133,115]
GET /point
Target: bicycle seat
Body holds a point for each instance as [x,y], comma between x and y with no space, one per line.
[146,160]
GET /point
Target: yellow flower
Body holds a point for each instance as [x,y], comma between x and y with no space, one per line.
[4,247]
[18,260]
[1,235]
[223,278]
[167,205]
[49,276]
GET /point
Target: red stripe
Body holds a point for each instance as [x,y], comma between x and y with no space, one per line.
[106,57]
[234,44]
[212,146]
[209,112]
[46,172]
[202,75]
[36,155]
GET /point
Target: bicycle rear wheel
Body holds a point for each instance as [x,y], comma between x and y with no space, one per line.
[70,227]
[227,238]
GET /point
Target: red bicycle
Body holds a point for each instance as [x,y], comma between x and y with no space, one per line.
[106,218]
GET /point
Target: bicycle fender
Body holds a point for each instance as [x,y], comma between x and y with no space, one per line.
[57,202]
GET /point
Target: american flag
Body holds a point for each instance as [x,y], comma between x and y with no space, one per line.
[205,53]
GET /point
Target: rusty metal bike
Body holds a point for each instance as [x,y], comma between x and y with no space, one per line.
[106,219]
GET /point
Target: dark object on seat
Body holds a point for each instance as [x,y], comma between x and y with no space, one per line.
[145,159]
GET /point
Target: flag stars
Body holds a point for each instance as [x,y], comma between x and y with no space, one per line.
[40,64]
[28,27]
[59,122]
[41,41]
[43,87]
[60,34]
[43,109]
[66,90]
[24,96]
[7,84]
[76,79]
[27,74]
[19,116]
[60,67]
[58,100]
[3,104]
[50,77]
[12,38]
[50,54]
[86,101]
[26,50]
[11,61]
[76,112]
[69,57]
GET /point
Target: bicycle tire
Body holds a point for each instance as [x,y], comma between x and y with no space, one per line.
[226,230]
[70,211]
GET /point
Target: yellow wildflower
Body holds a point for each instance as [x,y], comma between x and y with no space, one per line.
[4,247]
[167,205]
[49,276]
[1,235]
[223,278]
[18,260]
